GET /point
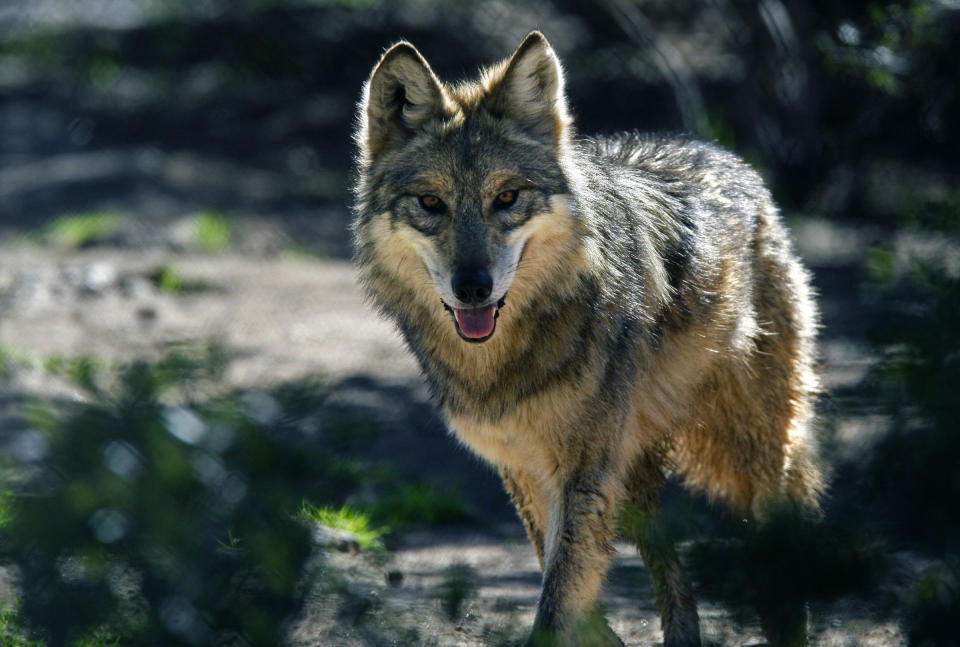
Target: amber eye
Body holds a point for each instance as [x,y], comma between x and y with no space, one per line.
[431,203]
[505,199]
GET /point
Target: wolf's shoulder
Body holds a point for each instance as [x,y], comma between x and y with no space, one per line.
[670,156]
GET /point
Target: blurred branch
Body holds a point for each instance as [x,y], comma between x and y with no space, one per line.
[668,60]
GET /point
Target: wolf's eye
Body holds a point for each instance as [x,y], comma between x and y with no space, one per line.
[505,199]
[431,203]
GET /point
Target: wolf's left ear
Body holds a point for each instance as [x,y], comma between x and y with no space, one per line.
[402,95]
[529,89]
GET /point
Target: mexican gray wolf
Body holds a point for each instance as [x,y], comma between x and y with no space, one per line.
[590,314]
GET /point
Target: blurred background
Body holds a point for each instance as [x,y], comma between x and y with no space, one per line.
[208,438]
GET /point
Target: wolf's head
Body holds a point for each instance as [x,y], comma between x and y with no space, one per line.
[460,200]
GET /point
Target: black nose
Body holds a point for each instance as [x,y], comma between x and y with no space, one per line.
[472,286]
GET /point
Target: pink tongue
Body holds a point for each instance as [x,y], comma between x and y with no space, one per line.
[476,323]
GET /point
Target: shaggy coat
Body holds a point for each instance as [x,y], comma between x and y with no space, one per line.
[590,314]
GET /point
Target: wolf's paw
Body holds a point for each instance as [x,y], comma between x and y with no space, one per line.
[592,632]
[682,634]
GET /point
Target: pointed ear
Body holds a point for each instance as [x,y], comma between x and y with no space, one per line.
[530,89]
[401,96]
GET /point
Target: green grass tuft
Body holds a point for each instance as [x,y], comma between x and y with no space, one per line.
[71,231]
[11,631]
[349,519]
[212,232]
[171,281]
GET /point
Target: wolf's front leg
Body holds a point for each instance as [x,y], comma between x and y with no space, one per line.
[529,499]
[578,549]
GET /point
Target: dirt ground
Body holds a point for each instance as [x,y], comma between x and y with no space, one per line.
[289,316]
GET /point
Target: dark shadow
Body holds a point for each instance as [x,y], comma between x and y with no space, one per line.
[415,442]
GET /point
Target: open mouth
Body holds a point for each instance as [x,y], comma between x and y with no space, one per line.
[476,324]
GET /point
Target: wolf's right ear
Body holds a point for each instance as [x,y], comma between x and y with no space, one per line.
[528,88]
[401,96]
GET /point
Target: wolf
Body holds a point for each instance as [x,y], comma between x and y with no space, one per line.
[591,315]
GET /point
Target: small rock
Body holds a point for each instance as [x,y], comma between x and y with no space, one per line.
[348,546]
[181,235]
[138,287]
[146,314]
[262,407]
[99,276]
[394,578]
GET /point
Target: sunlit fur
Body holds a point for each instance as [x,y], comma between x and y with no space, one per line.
[656,321]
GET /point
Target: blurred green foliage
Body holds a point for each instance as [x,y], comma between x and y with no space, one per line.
[420,504]
[909,485]
[14,634]
[163,509]
[764,571]
[5,511]
[126,522]
[933,606]
[771,569]
[917,383]
[12,359]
